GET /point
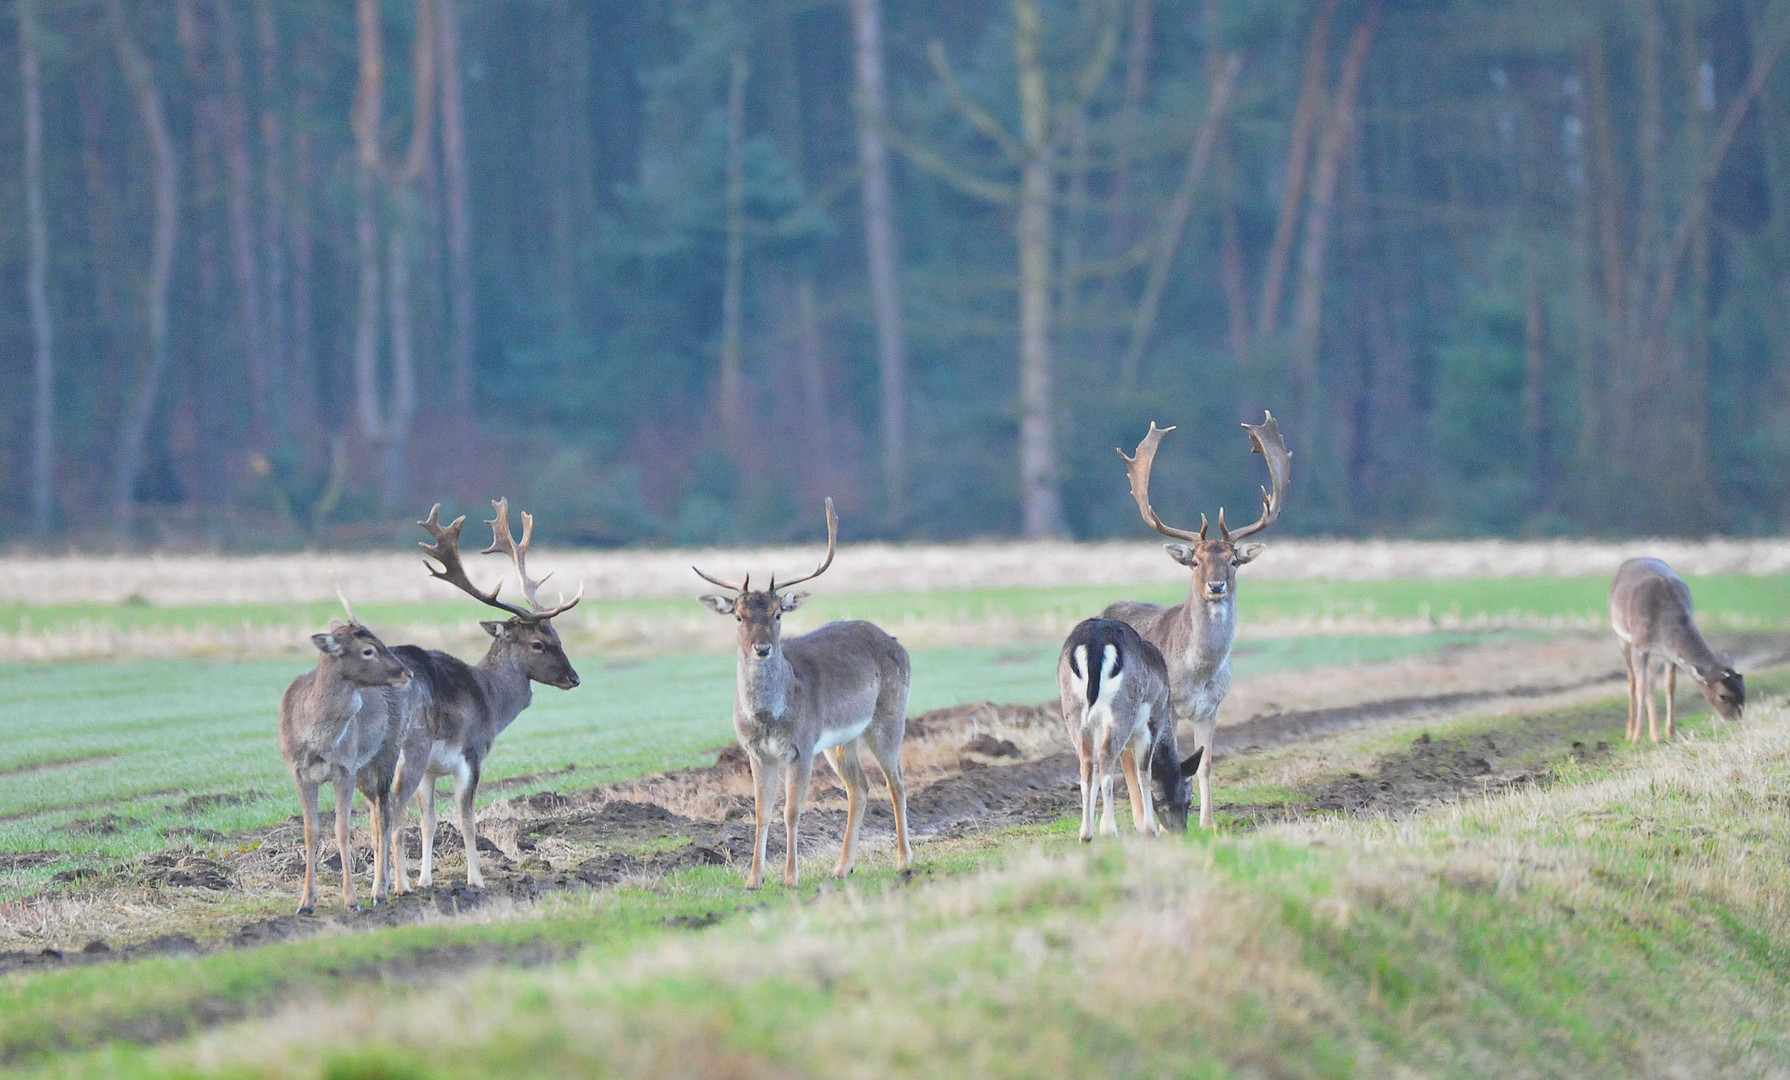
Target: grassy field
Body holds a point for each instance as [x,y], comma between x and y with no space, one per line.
[105,760]
[1731,599]
[1624,918]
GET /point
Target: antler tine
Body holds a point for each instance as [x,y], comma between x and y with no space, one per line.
[832,546]
[503,541]
[446,551]
[1137,467]
[343,597]
[1267,442]
[728,585]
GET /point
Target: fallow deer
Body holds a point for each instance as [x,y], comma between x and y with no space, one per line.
[1114,687]
[829,691]
[1650,610]
[339,725]
[1195,635]
[461,708]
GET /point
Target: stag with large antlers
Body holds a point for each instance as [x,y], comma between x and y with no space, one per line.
[461,708]
[1195,635]
[829,691]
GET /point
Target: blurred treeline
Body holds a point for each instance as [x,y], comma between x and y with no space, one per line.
[670,270]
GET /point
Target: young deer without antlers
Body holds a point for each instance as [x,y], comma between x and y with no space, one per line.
[1650,610]
[831,690]
[462,708]
[340,725]
[1115,704]
[1195,635]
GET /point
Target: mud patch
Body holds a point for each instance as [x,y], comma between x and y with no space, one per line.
[25,860]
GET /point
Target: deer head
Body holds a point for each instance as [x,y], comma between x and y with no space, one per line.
[529,630]
[353,654]
[1214,562]
[1725,689]
[1174,787]
[760,614]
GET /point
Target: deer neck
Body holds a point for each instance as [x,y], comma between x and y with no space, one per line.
[763,686]
[1210,624]
[504,673]
[335,702]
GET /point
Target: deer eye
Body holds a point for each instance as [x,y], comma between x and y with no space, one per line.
[366,654]
[535,645]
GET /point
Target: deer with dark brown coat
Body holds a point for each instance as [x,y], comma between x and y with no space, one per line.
[1650,610]
[340,725]
[460,709]
[1195,635]
[829,691]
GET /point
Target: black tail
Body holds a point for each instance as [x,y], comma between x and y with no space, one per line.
[1097,634]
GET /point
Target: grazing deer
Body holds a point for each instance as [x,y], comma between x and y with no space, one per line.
[461,708]
[1650,610]
[1195,635]
[340,726]
[830,690]
[1116,706]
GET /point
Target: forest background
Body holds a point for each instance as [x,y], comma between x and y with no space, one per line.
[280,272]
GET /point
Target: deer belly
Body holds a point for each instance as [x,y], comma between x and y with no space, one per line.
[841,736]
[445,760]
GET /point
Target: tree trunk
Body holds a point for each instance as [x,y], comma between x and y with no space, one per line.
[307,412]
[1305,121]
[43,432]
[881,252]
[368,99]
[1140,39]
[273,210]
[1309,305]
[1695,384]
[239,211]
[1041,504]
[1613,423]
[459,212]
[1180,207]
[733,390]
[817,441]
[104,249]
[135,433]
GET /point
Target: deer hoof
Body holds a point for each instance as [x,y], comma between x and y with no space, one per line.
[305,910]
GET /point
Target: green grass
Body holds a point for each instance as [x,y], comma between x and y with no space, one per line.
[1624,921]
[1731,597]
[105,760]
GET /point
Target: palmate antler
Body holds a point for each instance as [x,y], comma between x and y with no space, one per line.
[1266,441]
[503,541]
[446,551]
[746,586]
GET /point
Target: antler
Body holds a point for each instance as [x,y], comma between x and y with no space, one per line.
[446,551]
[343,597]
[502,540]
[1138,466]
[746,586]
[1269,444]
[832,545]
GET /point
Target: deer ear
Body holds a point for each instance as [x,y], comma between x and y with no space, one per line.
[794,600]
[496,629]
[723,605]
[327,644]
[1249,551]
[1192,764]
[1181,553]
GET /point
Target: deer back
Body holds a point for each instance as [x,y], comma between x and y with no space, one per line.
[454,703]
[1650,607]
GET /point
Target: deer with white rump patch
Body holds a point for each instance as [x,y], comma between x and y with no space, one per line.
[340,725]
[1195,635]
[828,691]
[1650,610]
[462,708]
[1115,693]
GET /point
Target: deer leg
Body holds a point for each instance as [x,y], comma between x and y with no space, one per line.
[466,789]
[307,799]
[888,758]
[850,769]
[1203,733]
[344,786]
[764,797]
[425,801]
[1137,783]
[1634,698]
[1648,694]
[1671,702]
[1085,756]
[405,785]
[795,793]
[376,818]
